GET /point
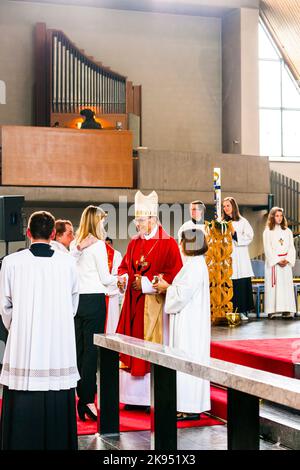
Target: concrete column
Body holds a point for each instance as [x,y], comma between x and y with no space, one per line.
[240,82]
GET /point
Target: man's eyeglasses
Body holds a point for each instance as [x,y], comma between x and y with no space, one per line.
[140,220]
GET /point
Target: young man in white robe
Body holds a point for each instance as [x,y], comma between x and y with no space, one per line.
[280,256]
[197,212]
[38,300]
[188,305]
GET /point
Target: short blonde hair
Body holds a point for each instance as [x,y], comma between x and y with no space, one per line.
[91,222]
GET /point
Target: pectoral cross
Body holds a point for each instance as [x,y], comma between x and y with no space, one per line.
[281,241]
[141,263]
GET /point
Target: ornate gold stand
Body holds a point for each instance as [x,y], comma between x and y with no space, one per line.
[219,263]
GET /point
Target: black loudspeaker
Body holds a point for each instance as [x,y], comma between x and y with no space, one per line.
[11,219]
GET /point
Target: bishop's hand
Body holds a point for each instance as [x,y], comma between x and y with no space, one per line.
[161,286]
[137,283]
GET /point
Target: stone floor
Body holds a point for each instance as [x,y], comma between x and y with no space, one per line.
[210,438]
[214,437]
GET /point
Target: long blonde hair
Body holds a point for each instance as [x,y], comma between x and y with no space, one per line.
[91,222]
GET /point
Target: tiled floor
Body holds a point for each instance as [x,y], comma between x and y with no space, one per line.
[255,329]
[211,438]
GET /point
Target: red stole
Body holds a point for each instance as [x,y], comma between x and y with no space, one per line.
[159,255]
[110,258]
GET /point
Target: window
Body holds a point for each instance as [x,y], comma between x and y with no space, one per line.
[279,103]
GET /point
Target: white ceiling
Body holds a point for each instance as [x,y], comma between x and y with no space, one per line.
[181,7]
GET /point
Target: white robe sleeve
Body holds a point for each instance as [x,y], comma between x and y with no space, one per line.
[271,257]
[113,290]
[291,256]
[75,291]
[147,287]
[244,233]
[5,296]
[179,294]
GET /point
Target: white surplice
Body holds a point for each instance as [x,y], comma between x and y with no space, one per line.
[38,299]
[188,303]
[279,291]
[241,264]
[57,246]
[113,312]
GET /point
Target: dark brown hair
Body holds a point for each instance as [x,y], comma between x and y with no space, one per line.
[193,242]
[235,210]
[41,225]
[60,226]
[271,218]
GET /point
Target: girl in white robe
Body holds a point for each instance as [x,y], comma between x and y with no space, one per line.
[242,236]
[280,256]
[188,303]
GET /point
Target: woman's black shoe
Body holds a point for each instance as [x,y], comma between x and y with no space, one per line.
[85,410]
[90,414]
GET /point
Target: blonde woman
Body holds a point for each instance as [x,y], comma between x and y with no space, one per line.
[94,278]
[280,256]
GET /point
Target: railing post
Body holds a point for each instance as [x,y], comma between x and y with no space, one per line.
[163,408]
[297,370]
[108,392]
[242,421]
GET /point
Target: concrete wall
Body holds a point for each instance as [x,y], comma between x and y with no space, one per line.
[244,177]
[176,59]
[240,82]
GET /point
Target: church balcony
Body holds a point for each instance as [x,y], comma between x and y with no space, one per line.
[67,167]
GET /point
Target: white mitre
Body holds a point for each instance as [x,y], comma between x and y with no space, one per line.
[146,206]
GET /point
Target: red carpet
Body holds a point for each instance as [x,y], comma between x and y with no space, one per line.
[140,421]
[272,355]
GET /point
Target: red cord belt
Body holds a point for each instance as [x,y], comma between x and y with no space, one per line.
[274,272]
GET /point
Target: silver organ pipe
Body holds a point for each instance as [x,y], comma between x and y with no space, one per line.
[78,82]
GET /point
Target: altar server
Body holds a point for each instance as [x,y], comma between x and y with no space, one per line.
[188,303]
[38,299]
[64,235]
[242,236]
[150,253]
[280,256]
[197,211]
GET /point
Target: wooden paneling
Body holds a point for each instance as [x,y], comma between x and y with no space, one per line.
[37,156]
[282,17]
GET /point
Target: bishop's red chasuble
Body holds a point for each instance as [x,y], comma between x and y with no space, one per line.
[141,315]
